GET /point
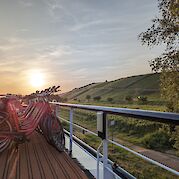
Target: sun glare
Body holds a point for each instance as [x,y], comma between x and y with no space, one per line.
[37,79]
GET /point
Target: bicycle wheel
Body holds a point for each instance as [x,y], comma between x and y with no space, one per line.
[56,133]
[3,116]
[5,126]
[45,126]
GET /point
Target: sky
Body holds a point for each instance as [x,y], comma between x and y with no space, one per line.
[72,42]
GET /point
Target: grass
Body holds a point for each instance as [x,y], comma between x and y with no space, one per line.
[141,85]
[160,107]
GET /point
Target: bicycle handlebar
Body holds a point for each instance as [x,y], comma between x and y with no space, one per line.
[47,91]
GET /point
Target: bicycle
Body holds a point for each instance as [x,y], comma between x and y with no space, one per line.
[17,126]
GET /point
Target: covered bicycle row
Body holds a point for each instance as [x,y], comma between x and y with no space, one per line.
[19,121]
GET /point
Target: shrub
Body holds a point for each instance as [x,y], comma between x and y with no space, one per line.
[64,100]
[128,98]
[176,139]
[142,98]
[110,99]
[88,97]
[97,98]
[157,140]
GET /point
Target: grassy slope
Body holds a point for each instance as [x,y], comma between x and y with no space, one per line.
[143,85]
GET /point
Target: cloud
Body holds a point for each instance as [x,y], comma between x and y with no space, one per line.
[86,25]
[15,43]
[7,44]
[58,11]
[59,51]
[25,3]
[52,6]
[53,52]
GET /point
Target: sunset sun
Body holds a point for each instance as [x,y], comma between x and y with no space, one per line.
[37,79]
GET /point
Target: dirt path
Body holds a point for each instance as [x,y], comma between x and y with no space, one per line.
[164,158]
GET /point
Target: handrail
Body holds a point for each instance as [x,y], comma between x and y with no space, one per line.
[164,117]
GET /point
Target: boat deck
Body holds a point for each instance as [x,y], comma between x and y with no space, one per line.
[38,160]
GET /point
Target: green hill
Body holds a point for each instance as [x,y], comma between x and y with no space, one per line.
[142,85]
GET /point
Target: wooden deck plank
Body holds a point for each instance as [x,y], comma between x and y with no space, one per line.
[38,160]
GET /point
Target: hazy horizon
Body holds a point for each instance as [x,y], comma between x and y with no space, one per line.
[72,43]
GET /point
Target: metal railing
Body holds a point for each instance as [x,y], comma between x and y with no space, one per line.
[164,117]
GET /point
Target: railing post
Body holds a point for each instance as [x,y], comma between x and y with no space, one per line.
[71,131]
[105,148]
[57,110]
[98,160]
[102,132]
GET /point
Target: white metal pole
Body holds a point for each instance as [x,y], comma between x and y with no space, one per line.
[97,177]
[105,149]
[71,130]
[57,109]
[98,160]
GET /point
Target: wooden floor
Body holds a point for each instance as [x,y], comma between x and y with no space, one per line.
[38,160]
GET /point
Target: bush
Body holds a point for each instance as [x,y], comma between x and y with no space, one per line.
[128,98]
[157,140]
[88,97]
[64,100]
[142,99]
[110,99]
[176,140]
[97,98]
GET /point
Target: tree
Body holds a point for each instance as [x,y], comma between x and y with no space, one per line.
[142,99]
[88,97]
[97,98]
[128,98]
[165,29]
[110,99]
[64,100]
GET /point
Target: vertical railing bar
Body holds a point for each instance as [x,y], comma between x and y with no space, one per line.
[71,131]
[97,165]
[105,146]
[111,171]
[57,110]
[98,160]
